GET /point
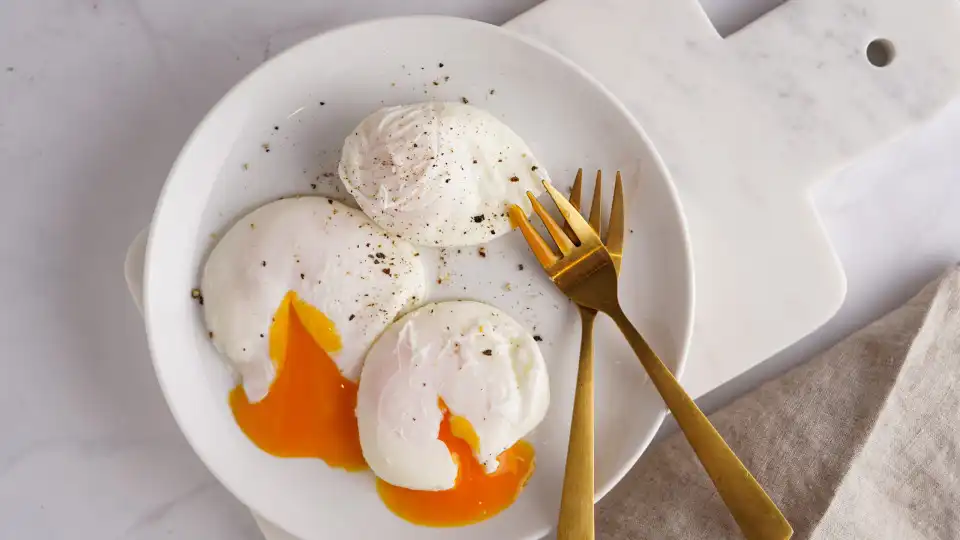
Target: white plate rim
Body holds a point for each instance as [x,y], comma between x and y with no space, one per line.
[180,415]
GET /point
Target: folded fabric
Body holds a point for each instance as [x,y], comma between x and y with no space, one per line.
[861,442]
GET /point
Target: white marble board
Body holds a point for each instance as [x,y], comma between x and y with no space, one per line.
[747,124]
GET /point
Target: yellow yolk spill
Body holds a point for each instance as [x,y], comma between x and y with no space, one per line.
[476,495]
[309,410]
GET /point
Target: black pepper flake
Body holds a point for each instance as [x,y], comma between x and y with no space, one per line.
[352,317]
[478,219]
[330,201]
[266,147]
[263,263]
[380,255]
[386,271]
[447,181]
[514,179]
[313,186]
[210,334]
[328,175]
[441,64]
[474,161]
[488,352]
[519,267]
[435,83]
[482,252]
[464,100]
[276,128]
[302,276]
[415,145]
[537,337]
[533,168]
[322,103]
[261,335]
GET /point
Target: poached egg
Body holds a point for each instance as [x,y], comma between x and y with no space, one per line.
[446,395]
[439,174]
[294,295]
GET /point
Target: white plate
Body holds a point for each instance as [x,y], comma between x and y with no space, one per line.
[302,104]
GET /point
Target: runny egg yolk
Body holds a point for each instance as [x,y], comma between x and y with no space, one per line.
[309,410]
[476,495]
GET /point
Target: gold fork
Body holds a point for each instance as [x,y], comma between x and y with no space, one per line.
[586,273]
[576,502]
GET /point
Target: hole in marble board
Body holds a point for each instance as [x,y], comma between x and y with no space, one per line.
[880,52]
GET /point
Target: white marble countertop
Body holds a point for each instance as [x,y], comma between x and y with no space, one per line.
[96,98]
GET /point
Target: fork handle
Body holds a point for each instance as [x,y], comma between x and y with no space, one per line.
[576,502]
[756,515]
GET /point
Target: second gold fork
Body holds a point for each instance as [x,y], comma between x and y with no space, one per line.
[576,502]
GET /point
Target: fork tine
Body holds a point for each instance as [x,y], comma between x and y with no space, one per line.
[614,239]
[563,241]
[579,225]
[538,245]
[574,200]
[596,215]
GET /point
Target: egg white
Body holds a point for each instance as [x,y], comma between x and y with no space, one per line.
[439,174]
[331,255]
[485,366]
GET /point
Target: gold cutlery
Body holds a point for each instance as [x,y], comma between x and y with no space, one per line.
[585,271]
[576,503]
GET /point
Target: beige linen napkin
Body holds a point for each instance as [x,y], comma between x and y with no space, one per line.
[861,442]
